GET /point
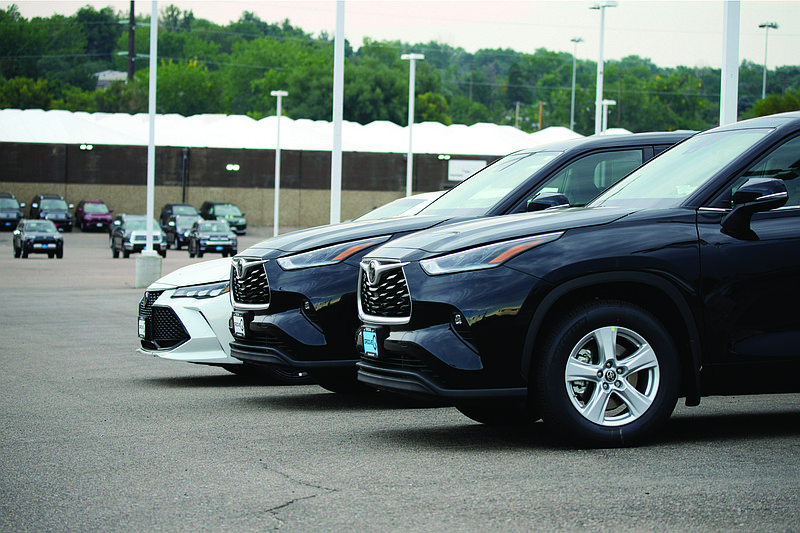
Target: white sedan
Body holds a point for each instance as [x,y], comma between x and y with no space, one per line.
[184,317]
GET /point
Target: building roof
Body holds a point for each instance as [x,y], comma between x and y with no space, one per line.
[239,131]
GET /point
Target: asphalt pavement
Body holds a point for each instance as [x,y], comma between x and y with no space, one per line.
[97,437]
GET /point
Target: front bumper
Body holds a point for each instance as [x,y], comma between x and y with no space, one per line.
[43,246]
[185,329]
[135,247]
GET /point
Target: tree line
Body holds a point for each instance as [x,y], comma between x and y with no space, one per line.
[51,63]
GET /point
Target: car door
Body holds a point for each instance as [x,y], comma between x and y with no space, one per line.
[751,282]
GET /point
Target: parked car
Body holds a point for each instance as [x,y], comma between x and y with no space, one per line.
[52,207]
[211,236]
[184,317]
[10,211]
[93,215]
[169,210]
[294,295]
[38,237]
[402,207]
[680,281]
[226,211]
[177,229]
[129,235]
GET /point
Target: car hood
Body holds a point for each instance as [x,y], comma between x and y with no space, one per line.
[195,274]
[207,234]
[454,237]
[55,213]
[309,239]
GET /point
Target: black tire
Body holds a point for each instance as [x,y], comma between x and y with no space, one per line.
[125,254]
[177,244]
[612,404]
[114,252]
[51,255]
[17,252]
[68,229]
[163,253]
[515,412]
[191,253]
[24,253]
[199,252]
[60,254]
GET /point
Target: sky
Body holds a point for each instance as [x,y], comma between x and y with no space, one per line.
[668,32]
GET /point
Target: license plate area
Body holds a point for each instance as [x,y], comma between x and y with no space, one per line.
[239,329]
[142,328]
[369,341]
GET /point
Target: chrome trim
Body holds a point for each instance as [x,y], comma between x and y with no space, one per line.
[379,269]
[240,266]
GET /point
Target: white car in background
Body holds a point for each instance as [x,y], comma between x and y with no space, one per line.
[184,317]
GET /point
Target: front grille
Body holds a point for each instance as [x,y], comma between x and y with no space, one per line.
[252,288]
[163,328]
[389,298]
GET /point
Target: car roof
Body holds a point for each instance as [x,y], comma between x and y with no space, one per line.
[611,141]
[7,195]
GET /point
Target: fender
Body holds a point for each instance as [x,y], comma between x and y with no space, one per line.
[645,278]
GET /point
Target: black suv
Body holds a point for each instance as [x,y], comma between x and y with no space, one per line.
[169,210]
[680,281]
[294,295]
[10,211]
[52,207]
[226,211]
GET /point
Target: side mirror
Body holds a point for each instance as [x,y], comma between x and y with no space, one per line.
[171,223]
[547,200]
[756,195]
[71,206]
[34,205]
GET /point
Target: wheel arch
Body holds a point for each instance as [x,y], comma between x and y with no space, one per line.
[647,290]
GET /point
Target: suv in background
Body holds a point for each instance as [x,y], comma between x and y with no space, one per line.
[10,211]
[177,229]
[93,214]
[226,211]
[52,207]
[174,210]
[129,235]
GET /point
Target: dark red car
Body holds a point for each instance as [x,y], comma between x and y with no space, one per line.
[93,215]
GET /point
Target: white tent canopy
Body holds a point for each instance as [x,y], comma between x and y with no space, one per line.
[239,131]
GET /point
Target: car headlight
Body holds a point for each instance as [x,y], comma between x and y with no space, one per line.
[483,257]
[330,255]
[208,290]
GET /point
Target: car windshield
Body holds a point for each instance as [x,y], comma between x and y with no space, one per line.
[227,210]
[478,194]
[138,224]
[183,210]
[41,226]
[213,227]
[50,204]
[8,203]
[185,222]
[669,179]
[99,209]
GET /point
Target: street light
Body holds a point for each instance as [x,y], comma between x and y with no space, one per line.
[276,209]
[575,40]
[766,26]
[598,100]
[411,77]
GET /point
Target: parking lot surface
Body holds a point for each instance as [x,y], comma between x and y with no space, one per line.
[97,437]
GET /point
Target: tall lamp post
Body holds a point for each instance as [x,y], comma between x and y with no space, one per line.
[598,100]
[766,26]
[411,81]
[575,40]
[276,209]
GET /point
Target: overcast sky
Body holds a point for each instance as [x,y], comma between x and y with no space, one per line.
[669,32]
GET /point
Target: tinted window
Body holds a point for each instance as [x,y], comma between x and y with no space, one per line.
[584,179]
[227,210]
[49,204]
[8,203]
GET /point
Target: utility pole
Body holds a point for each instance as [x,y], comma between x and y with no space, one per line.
[131,42]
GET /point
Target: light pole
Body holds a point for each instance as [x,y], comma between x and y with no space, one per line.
[277,207]
[598,100]
[606,104]
[411,81]
[766,26]
[575,40]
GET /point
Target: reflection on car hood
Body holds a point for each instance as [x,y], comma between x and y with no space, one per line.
[309,239]
[455,237]
[195,274]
